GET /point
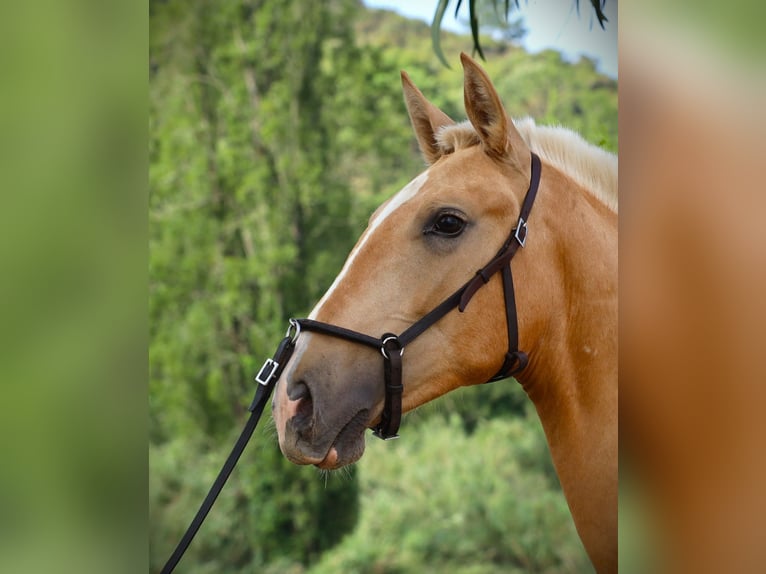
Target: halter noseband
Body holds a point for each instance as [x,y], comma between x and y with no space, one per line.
[392,346]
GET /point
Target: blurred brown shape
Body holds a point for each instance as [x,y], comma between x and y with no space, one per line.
[693,301]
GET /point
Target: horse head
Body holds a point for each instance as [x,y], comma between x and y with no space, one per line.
[419,246]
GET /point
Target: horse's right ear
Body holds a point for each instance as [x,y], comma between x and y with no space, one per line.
[499,137]
[426,119]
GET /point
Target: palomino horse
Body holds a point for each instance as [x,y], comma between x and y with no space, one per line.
[427,241]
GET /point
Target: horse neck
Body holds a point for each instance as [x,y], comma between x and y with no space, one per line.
[572,374]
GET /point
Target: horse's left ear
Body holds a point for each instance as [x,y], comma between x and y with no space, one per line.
[485,110]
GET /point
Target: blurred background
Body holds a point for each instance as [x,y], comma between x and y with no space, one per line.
[276,128]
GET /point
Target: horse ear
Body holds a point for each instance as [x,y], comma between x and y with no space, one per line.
[485,111]
[426,119]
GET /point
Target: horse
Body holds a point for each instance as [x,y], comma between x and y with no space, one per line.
[427,241]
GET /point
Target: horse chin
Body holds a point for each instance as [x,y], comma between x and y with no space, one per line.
[348,446]
[302,444]
[330,462]
[338,459]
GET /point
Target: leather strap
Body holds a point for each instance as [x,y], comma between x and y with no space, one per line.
[392,372]
[340,332]
[516,239]
[262,394]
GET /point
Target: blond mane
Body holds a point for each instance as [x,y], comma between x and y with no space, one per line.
[590,166]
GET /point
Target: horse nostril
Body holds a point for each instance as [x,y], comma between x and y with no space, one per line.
[298,390]
[304,410]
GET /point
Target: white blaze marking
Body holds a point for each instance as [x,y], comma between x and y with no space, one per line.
[395,203]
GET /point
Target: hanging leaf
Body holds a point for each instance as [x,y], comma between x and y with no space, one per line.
[508,7]
[475,28]
[598,6]
[436,25]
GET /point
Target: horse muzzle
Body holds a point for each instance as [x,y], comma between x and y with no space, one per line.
[317,425]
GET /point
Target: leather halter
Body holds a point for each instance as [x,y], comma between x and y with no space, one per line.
[392,346]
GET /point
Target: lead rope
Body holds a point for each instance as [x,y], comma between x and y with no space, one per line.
[266,378]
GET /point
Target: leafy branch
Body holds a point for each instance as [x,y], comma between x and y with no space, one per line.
[441,9]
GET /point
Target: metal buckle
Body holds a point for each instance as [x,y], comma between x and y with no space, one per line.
[377,434]
[383,347]
[518,234]
[267,372]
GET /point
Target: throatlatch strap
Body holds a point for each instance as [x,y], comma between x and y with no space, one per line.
[515,360]
[266,385]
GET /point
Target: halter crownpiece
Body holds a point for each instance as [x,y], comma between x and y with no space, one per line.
[392,346]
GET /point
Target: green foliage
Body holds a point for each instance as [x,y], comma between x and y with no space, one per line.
[276,129]
[270,512]
[443,501]
[542,85]
[249,221]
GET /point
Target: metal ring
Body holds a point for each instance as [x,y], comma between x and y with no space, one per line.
[294,326]
[383,346]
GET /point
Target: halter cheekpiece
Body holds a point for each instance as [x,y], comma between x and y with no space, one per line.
[392,346]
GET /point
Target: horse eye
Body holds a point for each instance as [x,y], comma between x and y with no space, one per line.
[448,225]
